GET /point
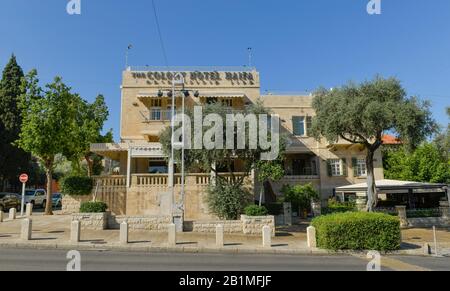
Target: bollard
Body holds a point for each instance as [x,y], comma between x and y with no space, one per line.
[75,231]
[426,249]
[287,208]
[12,213]
[172,235]
[1,216]
[124,233]
[26,230]
[219,235]
[311,237]
[29,210]
[267,236]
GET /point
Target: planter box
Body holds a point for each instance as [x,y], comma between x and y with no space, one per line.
[92,221]
[253,225]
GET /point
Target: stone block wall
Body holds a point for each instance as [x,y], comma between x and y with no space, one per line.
[71,204]
[150,223]
[229,226]
[92,221]
[253,225]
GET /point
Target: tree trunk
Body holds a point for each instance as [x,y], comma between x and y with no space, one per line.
[90,165]
[372,195]
[49,175]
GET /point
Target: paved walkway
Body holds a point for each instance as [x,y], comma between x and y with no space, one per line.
[54,232]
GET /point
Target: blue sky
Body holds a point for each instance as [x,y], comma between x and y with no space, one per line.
[298,45]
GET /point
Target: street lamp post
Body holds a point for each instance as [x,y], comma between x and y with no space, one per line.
[177,209]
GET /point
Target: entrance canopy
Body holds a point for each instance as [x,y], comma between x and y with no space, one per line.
[394,186]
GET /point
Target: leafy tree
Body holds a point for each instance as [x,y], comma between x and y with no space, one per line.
[300,196]
[228,189]
[425,164]
[13,160]
[442,140]
[89,124]
[268,171]
[48,119]
[362,113]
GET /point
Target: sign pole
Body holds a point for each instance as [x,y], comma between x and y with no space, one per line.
[23,179]
[23,199]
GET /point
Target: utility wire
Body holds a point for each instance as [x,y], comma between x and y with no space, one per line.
[163,48]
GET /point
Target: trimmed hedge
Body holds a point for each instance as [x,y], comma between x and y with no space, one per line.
[77,186]
[255,210]
[93,207]
[358,231]
[336,207]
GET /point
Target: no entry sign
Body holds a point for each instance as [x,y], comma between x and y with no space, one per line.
[23,178]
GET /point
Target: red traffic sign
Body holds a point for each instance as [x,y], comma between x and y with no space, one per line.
[23,178]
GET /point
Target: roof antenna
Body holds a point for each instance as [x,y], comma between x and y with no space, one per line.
[249,56]
[130,46]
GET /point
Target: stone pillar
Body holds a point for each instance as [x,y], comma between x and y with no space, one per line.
[402,216]
[75,231]
[1,216]
[124,233]
[172,235]
[445,213]
[267,236]
[361,201]
[219,235]
[316,207]
[12,213]
[426,249]
[29,210]
[311,237]
[25,233]
[287,207]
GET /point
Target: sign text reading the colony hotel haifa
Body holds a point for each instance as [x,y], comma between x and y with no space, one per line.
[213,78]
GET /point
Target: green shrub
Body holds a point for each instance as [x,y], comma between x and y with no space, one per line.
[93,207]
[358,231]
[339,207]
[228,201]
[255,210]
[300,196]
[419,213]
[77,185]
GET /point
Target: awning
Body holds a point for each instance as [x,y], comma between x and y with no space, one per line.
[207,94]
[394,185]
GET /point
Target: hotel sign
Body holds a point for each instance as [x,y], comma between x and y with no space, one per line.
[212,78]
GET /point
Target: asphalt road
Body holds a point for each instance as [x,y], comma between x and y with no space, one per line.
[55,260]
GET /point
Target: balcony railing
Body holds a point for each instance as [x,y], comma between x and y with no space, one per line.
[157,115]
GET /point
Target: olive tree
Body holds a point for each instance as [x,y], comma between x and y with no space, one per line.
[362,113]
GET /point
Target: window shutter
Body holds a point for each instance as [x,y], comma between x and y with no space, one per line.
[308,125]
[330,172]
[355,167]
[344,168]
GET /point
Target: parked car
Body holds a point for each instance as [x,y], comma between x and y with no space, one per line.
[8,201]
[36,197]
[57,200]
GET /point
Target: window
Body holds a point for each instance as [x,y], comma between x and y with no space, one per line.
[228,102]
[168,115]
[157,167]
[155,111]
[298,123]
[308,125]
[337,168]
[359,167]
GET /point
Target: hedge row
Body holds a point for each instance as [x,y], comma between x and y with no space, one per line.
[93,207]
[358,231]
[77,185]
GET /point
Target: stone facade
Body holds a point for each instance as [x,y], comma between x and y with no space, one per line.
[92,221]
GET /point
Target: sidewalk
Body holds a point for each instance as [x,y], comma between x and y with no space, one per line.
[53,232]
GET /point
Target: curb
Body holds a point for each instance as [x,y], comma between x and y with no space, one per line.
[192,250]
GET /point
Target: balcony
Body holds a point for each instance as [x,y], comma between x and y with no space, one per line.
[153,115]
